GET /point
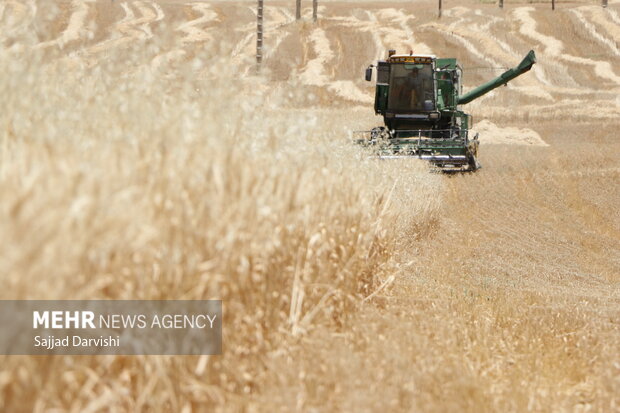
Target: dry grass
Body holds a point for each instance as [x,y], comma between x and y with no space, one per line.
[136,167]
[132,187]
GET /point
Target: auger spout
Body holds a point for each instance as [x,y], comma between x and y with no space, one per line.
[525,65]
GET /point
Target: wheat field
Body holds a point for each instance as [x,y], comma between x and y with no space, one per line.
[144,156]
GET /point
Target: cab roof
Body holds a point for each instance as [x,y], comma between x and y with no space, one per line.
[432,56]
[405,58]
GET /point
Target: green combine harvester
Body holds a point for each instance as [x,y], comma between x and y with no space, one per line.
[419,97]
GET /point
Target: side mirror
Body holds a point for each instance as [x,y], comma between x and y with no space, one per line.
[368,73]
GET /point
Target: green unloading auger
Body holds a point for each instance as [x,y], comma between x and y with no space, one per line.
[525,65]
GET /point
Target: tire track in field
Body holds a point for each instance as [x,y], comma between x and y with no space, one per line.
[75,27]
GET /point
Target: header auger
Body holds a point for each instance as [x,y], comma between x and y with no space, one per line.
[419,98]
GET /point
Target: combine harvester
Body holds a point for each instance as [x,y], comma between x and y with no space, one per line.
[419,97]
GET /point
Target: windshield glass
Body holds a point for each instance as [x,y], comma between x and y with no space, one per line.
[411,85]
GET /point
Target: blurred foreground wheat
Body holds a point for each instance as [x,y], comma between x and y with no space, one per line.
[131,185]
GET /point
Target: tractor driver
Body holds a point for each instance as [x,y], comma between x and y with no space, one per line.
[408,94]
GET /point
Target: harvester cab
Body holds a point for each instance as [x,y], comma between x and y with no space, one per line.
[419,97]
